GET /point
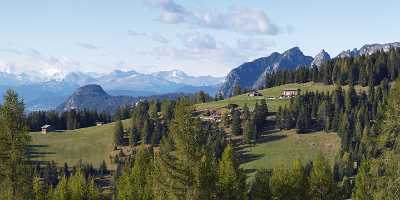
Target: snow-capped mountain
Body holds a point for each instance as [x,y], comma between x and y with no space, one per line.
[46,92]
[181,77]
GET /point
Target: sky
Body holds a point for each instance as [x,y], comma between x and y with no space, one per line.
[207,37]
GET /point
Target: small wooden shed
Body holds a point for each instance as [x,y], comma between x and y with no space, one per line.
[47,128]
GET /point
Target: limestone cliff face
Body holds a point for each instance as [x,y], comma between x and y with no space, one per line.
[252,74]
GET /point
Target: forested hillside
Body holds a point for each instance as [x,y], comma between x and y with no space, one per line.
[169,150]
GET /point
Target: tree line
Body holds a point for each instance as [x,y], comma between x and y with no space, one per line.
[361,70]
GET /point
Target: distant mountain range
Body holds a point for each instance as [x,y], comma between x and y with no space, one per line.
[251,75]
[47,92]
[369,49]
[41,92]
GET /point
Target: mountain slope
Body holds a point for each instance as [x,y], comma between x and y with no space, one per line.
[250,75]
[93,97]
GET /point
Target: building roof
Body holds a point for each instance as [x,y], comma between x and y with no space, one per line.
[46,126]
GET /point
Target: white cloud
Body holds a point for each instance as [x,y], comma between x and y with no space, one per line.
[246,20]
[239,19]
[198,41]
[171,12]
[32,60]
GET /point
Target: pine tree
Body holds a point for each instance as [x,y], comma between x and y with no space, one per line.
[140,176]
[260,115]
[62,191]
[322,185]
[260,188]
[77,186]
[14,138]
[236,125]
[231,180]
[92,192]
[147,131]
[118,133]
[391,122]
[103,169]
[153,110]
[249,131]
[37,189]
[134,136]
[298,181]
[180,164]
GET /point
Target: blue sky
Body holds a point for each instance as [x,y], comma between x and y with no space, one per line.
[198,37]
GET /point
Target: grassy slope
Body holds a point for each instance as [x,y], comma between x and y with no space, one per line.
[92,145]
[283,147]
[273,105]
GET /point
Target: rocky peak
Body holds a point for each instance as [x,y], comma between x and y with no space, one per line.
[293,52]
[90,90]
[320,58]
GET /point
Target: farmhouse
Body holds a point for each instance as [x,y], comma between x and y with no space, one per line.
[288,93]
[47,128]
[254,94]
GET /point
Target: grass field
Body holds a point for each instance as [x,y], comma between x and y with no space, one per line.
[91,145]
[282,148]
[273,104]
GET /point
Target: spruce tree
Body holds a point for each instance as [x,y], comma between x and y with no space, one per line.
[183,153]
[391,122]
[236,124]
[140,181]
[322,185]
[77,186]
[14,140]
[118,133]
[37,189]
[260,187]
[231,180]
[249,131]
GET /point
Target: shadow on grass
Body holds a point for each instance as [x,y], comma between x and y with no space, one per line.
[36,152]
[244,150]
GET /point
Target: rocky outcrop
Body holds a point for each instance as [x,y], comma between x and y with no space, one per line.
[252,74]
[321,58]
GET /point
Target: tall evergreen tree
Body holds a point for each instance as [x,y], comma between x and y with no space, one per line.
[118,133]
[180,165]
[14,139]
[231,180]
[322,185]
[236,124]
[260,187]
[249,131]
